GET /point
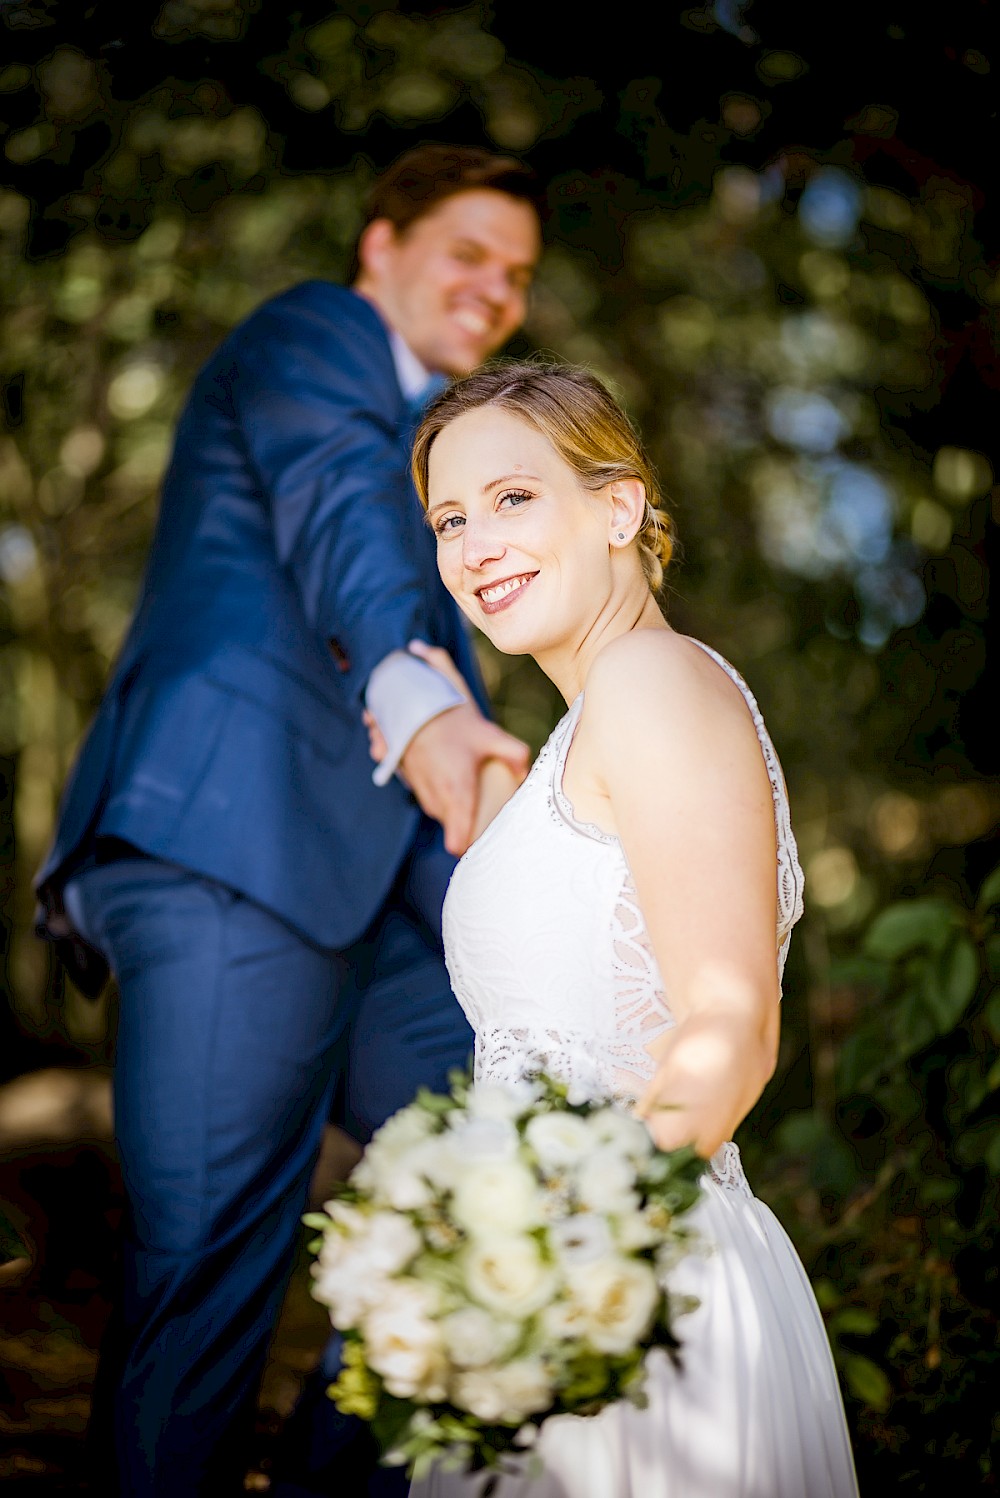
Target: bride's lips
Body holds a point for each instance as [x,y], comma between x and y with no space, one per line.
[500,595]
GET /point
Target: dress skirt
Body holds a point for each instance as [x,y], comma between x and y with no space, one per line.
[752,1409]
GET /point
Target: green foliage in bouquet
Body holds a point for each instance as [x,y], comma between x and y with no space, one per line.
[500,1255]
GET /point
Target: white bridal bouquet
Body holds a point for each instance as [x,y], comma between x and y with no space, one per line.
[498,1256]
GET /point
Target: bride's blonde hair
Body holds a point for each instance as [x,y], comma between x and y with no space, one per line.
[585,425]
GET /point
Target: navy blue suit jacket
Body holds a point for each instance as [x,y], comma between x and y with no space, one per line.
[290,557]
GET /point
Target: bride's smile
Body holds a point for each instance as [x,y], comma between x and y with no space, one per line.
[497,596]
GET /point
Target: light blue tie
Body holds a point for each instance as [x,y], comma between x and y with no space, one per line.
[417,404]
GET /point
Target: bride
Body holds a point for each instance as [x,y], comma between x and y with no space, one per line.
[623,921]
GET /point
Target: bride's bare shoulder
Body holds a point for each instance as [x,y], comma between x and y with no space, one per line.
[663,683]
[654,661]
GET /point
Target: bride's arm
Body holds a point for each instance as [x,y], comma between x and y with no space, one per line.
[670,741]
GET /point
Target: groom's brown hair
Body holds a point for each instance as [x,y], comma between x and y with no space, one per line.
[424,177]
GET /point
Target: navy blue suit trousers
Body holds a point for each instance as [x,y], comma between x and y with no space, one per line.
[234,1033]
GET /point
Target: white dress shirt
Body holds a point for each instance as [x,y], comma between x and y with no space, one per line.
[404,693]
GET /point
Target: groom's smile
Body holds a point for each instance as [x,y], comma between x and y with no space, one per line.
[454,285]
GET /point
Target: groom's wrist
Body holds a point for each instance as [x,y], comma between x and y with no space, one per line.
[403,694]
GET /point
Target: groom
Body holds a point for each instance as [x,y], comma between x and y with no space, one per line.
[272,916]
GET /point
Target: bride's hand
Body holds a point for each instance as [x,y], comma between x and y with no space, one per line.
[710,1070]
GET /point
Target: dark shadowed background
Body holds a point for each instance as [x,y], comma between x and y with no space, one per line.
[773,229]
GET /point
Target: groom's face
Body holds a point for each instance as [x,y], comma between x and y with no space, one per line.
[454,285]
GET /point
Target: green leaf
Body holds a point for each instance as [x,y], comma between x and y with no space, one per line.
[867,1381]
[862,1057]
[12,1245]
[949,984]
[827,1294]
[801,1133]
[391,1420]
[854,1321]
[989,894]
[981,1143]
[433,1102]
[991,1014]
[913,1025]
[961,975]
[992,945]
[991,1154]
[937,1189]
[910,926]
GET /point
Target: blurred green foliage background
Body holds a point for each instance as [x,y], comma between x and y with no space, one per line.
[769,232]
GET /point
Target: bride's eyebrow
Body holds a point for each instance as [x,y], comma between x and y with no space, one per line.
[432,510]
[510,478]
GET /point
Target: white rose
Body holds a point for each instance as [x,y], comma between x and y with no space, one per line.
[580,1239]
[623,1132]
[390,1164]
[434,1160]
[347,1287]
[334,1249]
[500,1196]
[349,1219]
[564,1321]
[508,1100]
[403,1344]
[507,1394]
[410,1178]
[618,1298]
[390,1242]
[401,1184]
[605,1181]
[479,1391]
[362,1176]
[403,1130]
[482,1139]
[527,1386]
[636,1230]
[508,1275]
[559,1139]
[473,1337]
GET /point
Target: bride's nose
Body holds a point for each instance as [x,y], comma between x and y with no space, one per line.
[481,544]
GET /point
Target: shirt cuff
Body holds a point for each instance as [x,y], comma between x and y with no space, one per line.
[403,694]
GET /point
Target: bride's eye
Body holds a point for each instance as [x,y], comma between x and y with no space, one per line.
[448,523]
[515,496]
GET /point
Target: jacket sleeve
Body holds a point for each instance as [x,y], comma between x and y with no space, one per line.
[316,408]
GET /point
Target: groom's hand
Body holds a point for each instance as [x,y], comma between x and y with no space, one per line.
[442,766]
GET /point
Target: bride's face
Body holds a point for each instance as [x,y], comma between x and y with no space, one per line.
[522,546]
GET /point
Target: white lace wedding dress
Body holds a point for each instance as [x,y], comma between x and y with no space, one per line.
[548,955]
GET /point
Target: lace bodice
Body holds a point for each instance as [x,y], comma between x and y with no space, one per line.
[547,948]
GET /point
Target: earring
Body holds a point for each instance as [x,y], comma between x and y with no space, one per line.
[621,535]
